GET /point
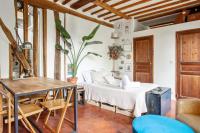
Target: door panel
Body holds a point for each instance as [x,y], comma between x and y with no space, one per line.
[188,63]
[190,85]
[143,59]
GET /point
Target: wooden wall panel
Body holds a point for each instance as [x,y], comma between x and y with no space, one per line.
[190,85]
[10,62]
[35,43]
[44,16]
[57,60]
[143,77]
[25,22]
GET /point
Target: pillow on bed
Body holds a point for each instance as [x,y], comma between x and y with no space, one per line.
[98,77]
[109,79]
[87,77]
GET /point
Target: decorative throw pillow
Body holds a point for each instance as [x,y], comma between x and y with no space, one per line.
[109,79]
[98,77]
[87,77]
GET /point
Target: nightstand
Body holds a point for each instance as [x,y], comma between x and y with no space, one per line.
[158,100]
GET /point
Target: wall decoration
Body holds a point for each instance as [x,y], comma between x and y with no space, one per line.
[128,56]
[120,68]
[127,27]
[115,52]
[128,67]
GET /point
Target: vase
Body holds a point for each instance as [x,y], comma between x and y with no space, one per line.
[72,80]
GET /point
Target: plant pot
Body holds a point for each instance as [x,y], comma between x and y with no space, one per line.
[72,80]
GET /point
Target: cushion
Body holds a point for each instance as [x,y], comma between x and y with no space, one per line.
[125,81]
[87,77]
[98,77]
[109,79]
[191,120]
[159,124]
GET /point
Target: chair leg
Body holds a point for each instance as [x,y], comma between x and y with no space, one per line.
[26,121]
[9,115]
[47,118]
[64,112]
[38,117]
[25,125]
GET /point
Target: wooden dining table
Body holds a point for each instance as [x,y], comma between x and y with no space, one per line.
[36,85]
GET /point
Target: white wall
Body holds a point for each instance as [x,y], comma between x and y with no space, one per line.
[77,28]
[164,52]
[7,15]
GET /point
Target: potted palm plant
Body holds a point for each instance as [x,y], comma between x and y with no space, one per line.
[75,56]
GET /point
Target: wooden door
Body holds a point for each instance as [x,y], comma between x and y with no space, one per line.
[143,59]
[188,63]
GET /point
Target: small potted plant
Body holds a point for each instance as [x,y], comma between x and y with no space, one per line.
[75,56]
[115,52]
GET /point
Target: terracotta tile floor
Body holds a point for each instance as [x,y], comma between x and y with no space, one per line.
[93,120]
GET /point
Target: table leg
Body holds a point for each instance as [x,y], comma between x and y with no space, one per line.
[75,110]
[83,97]
[16,113]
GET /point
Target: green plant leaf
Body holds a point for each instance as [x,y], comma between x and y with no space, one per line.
[69,45]
[92,34]
[62,30]
[93,42]
[92,53]
[58,47]
[65,51]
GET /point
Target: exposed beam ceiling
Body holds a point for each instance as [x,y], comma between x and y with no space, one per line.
[113,5]
[80,3]
[141,8]
[65,2]
[111,9]
[93,6]
[56,7]
[126,7]
[173,9]
[158,7]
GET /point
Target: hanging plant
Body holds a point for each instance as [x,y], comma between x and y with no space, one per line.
[115,52]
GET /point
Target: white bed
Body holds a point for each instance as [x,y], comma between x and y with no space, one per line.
[133,98]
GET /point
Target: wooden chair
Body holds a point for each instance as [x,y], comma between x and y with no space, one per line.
[56,104]
[3,112]
[25,110]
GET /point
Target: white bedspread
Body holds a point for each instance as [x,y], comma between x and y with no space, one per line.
[133,98]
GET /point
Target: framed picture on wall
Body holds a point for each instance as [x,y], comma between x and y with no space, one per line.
[128,67]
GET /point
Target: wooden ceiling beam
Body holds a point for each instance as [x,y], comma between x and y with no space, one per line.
[111,9]
[115,19]
[161,24]
[140,8]
[93,6]
[158,7]
[45,4]
[168,11]
[65,2]
[112,5]
[80,3]
[126,7]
